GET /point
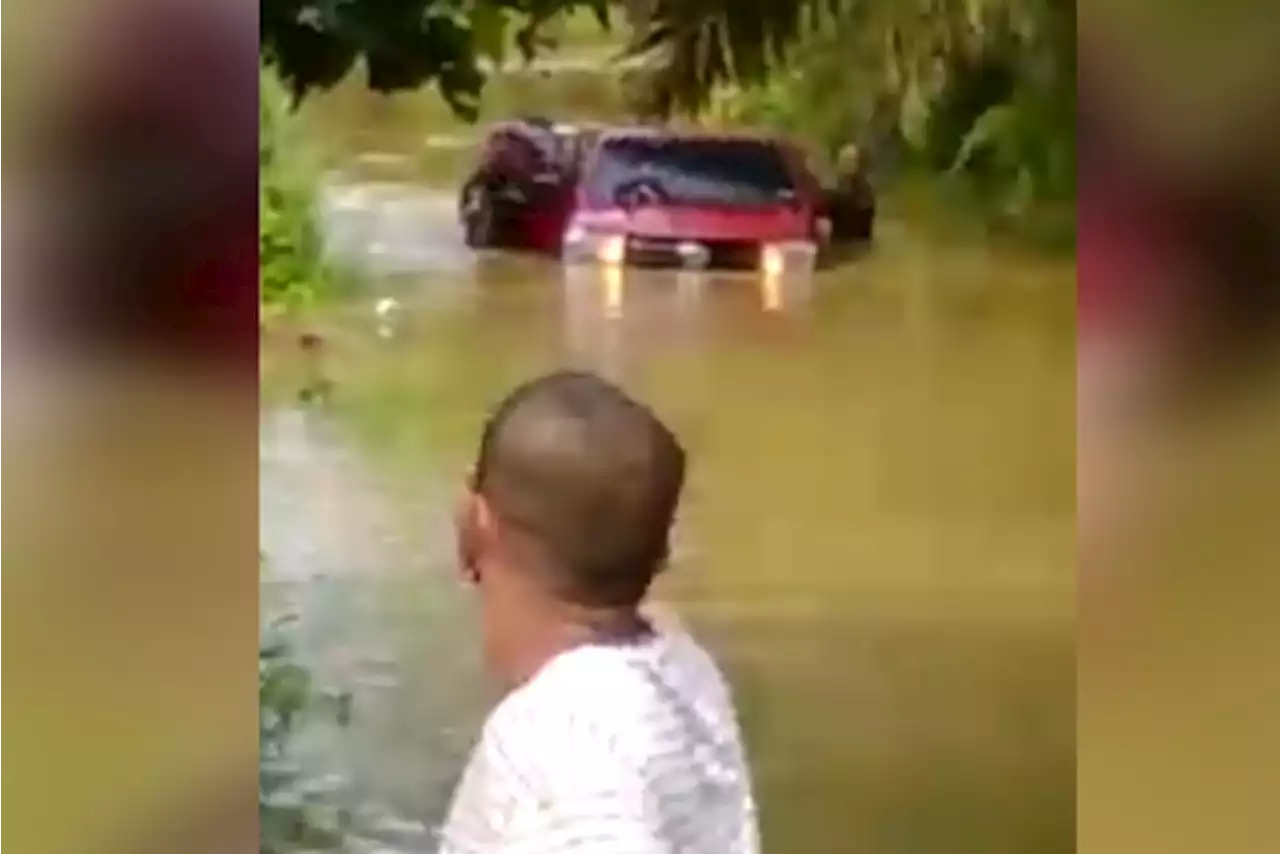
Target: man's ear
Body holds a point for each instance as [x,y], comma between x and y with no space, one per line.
[476,534]
[467,532]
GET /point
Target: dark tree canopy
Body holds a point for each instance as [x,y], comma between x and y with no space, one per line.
[405,44]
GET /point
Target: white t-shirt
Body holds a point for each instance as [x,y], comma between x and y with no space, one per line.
[610,749]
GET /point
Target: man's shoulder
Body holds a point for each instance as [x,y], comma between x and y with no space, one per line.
[612,701]
[608,734]
[581,694]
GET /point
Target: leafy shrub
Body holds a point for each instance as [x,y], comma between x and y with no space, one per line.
[292,268]
[974,94]
[292,818]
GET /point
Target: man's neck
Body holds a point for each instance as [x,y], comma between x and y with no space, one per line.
[558,628]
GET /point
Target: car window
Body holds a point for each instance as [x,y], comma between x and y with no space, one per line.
[807,167]
[565,155]
[709,171]
[544,145]
[515,154]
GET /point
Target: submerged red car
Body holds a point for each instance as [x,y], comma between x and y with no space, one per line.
[661,198]
[654,197]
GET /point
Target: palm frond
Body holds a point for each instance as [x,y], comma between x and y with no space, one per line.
[697,45]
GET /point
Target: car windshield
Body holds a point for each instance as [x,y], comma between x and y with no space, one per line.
[693,171]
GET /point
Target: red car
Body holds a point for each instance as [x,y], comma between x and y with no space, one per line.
[664,198]
[648,197]
[521,193]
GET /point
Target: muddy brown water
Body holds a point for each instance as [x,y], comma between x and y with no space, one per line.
[877,540]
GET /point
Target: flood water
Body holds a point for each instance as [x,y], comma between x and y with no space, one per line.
[877,538]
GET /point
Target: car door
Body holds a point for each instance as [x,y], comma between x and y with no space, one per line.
[811,190]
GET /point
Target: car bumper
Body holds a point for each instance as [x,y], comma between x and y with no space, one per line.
[609,291]
[671,253]
[694,254]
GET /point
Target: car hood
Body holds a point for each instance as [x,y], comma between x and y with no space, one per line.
[689,222]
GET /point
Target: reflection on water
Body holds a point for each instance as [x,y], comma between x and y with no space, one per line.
[390,228]
[615,281]
[878,536]
[610,311]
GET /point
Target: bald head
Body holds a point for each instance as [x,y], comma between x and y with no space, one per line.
[589,479]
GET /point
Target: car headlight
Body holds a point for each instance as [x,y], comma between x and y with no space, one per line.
[612,249]
[779,258]
[583,245]
[772,261]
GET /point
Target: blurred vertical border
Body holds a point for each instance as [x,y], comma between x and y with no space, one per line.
[1178,418]
[130,374]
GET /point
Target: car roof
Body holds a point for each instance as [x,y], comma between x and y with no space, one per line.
[537,127]
[666,134]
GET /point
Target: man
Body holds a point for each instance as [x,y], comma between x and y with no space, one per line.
[617,736]
[852,202]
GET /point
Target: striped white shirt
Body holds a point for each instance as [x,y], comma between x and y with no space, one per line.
[610,749]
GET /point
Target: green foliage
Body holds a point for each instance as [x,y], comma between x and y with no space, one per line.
[1019,147]
[291,264]
[406,44]
[769,104]
[981,91]
[292,818]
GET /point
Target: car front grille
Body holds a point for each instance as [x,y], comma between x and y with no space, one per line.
[721,254]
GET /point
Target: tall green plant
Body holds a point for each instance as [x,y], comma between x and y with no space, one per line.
[291,262]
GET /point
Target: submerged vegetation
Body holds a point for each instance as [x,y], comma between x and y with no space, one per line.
[284,694]
[293,817]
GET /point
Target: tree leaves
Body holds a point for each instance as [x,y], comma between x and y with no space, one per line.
[982,89]
[987,132]
[700,44]
[404,44]
[292,269]
[489,31]
[697,44]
